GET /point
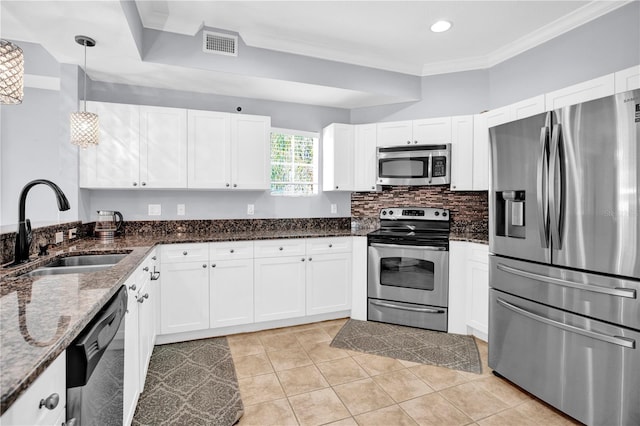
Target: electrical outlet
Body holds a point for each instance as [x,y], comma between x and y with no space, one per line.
[334,209]
[73,233]
[155,210]
[59,237]
[181,209]
[251,209]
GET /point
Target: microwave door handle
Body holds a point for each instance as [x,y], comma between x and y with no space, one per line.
[429,168]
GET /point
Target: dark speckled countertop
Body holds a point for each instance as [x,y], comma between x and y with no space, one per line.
[40,316]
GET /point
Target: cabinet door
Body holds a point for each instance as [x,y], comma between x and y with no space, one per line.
[478,289]
[114,163]
[498,116]
[432,131]
[231,293]
[459,297]
[209,149]
[184,297]
[250,152]
[394,133]
[627,79]
[328,283]
[163,147]
[131,388]
[582,92]
[279,288]
[364,158]
[480,153]
[146,299]
[527,108]
[337,149]
[462,153]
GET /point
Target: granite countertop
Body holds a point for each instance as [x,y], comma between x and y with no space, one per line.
[470,237]
[40,316]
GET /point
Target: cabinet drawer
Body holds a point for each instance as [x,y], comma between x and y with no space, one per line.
[185,252]
[329,245]
[26,409]
[232,250]
[277,248]
[478,253]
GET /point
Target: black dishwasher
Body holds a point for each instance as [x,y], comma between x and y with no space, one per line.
[95,368]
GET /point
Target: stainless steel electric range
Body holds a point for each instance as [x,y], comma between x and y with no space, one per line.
[408,268]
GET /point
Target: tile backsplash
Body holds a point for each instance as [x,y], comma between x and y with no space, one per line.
[469,209]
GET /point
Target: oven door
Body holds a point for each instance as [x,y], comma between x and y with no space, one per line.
[412,274]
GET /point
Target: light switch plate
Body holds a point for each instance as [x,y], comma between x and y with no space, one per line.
[72,233]
[334,209]
[59,237]
[181,209]
[251,209]
[155,209]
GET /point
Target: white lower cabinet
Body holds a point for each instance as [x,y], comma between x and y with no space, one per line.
[231,292]
[50,386]
[147,300]
[131,388]
[279,287]
[328,280]
[469,289]
[184,301]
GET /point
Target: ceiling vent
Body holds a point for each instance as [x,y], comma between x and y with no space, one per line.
[221,44]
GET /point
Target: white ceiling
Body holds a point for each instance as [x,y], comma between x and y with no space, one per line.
[388,35]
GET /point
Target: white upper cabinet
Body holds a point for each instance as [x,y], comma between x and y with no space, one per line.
[114,163]
[250,152]
[394,133]
[462,152]
[581,92]
[527,108]
[627,79]
[338,157]
[365,161]
[480,153]
[209,149]
[432,131]
[163,147]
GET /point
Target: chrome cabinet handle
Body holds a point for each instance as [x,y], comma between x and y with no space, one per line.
[70,422]
[616,340]
[144,183]
[310,259]
[302,259]
[231,251]
[620,292]
[415,142]
[213,265]
[204,265]
[132,287]
[184,253]
[227,185]
[154,258]
[280,248]
[141,299]
[146,269]
[408,142]
[155,275]
[51,402]
[235,185]
[336,186]
[135,183]
[330,245]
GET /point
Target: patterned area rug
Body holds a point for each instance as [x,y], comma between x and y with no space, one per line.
[190,383]
[454,351]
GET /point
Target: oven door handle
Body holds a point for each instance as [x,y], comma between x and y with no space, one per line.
[382,245]
[407,308]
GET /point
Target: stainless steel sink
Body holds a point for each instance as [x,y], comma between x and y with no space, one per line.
[77,264]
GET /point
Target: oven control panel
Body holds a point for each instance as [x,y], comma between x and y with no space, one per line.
[414,213]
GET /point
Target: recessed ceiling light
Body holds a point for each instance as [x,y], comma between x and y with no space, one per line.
[441,26]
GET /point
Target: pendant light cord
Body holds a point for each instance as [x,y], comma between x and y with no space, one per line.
[84,94]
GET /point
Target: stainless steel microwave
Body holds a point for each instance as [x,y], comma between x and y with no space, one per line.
[414,165]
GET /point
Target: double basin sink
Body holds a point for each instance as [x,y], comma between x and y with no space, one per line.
[77,264]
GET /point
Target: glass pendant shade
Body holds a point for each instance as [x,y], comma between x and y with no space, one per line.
[84,129]
[11,73]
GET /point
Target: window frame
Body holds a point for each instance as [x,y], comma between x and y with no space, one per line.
[315,164]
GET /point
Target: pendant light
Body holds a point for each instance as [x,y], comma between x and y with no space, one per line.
[84,125]
[11,73]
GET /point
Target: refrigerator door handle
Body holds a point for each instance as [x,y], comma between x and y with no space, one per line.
[555,199]
[618,291]
[542,197]
[616,340]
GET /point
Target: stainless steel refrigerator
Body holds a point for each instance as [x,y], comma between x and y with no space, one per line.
[564,274]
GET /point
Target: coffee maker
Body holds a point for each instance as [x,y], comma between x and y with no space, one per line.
[109,224]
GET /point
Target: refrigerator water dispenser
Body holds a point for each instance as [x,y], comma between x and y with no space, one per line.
[510,217]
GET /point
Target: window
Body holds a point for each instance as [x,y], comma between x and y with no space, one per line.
[294,162]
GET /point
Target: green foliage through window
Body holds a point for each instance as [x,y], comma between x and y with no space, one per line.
[294,163]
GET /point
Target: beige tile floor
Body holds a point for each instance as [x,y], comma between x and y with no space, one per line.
[291,376]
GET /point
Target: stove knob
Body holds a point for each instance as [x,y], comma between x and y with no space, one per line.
[384,212]
[437,213]
[444,214]
[391,212]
